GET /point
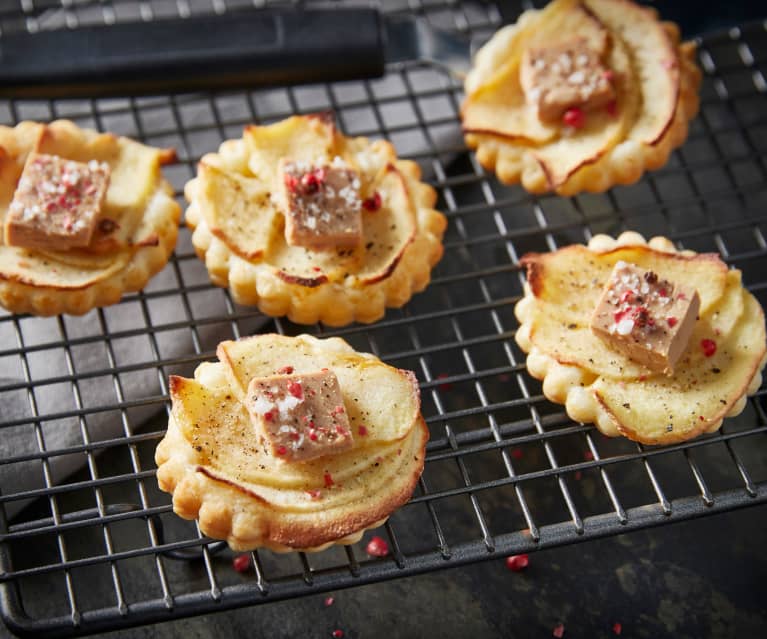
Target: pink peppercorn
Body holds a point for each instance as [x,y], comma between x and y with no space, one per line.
[708,346]
[517,563]
[574,117]
[377,547]
[373,203]
[241,563]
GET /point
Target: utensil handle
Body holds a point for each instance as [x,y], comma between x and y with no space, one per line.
[235,49]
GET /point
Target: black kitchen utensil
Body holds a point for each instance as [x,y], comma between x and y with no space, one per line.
[236,49]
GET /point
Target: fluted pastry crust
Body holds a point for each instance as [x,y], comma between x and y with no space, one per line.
[657,89]
[218,472]
[139,201]
[601,386]
[238,224]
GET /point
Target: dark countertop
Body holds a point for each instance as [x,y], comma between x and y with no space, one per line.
[697,579]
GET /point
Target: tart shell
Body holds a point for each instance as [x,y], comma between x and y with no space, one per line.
[49,283]
[262,271]
[588,392]
[621,160]
[242,495]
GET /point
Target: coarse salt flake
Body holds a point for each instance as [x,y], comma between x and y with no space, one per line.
[625,326]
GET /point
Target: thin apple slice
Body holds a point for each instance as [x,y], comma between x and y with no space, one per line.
[571,342]
[655,62]
[238,210]
[603,129]
[35,269]
[300,138]
[698,396]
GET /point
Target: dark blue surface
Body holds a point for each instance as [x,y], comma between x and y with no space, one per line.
[697,18]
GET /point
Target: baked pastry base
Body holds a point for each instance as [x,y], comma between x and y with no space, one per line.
[581,390]
[279,279]
[49,283]
[622,161]
[242,495]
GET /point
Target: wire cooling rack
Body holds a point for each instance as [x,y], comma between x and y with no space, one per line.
[87,541]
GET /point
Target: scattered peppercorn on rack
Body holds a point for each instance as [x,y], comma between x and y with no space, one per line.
[88,543]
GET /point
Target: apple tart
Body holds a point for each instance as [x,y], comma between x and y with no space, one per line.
[302,221]
[291,443]
[642,340]
[580,95]
[87,216]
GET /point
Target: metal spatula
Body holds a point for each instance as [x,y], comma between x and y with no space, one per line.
[236,49]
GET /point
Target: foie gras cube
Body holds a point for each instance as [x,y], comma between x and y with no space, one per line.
[646,317]
[300,416]
[57,203]
[561,76]
[323,205]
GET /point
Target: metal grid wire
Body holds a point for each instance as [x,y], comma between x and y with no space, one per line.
[88,541]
